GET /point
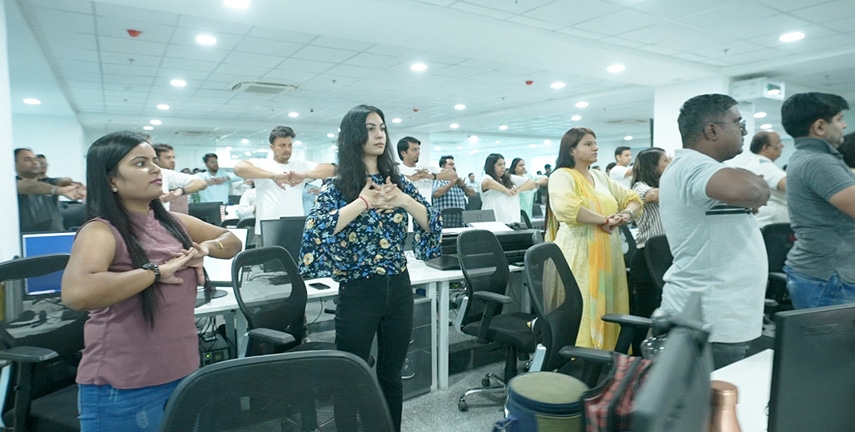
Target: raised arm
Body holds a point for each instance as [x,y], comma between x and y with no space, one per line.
[738,187]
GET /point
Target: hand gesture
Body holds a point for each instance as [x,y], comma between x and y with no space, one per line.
[390,196]
[179,261]
[282,180]
[612,222]
[295,178]
[370,193]
[71,192]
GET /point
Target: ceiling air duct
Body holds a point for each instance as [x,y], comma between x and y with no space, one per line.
[263,88]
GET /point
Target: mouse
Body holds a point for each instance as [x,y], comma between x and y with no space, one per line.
[26,315]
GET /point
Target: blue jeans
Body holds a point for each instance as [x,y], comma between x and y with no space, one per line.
[382,305]
[807,291]
[104,408]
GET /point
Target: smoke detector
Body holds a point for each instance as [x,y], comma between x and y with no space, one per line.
[263,88]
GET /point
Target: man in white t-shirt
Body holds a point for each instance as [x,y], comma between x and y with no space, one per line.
[706,212]
[422,177]
[279,181]
[766,147]
[177,186]
[622,172]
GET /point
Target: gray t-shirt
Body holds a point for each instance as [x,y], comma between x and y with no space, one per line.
[718,251]
[826,235]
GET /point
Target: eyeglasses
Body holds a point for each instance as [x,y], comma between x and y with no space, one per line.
[741,124]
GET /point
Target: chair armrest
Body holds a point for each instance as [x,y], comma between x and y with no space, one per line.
[493,297]
[273,336]
[628,320]
[778,277]
[586,354]
[28,354]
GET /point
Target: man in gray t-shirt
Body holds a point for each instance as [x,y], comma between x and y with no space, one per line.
[706,212]
[821,195]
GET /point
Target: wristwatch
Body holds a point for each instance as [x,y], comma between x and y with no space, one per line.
[153,267]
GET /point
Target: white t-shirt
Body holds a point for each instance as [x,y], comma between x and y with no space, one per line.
[272,201]
[505,207]
[618,174]
[425,187]
[718,251]
[174,180]
[775,211]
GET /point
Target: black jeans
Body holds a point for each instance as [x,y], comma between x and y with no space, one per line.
[381,305]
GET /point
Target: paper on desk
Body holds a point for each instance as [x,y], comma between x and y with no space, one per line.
[490,226]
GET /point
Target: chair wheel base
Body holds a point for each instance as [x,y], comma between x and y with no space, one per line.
[485,382]
[462,405]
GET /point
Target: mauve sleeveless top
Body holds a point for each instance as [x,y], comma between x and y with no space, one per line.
[122,350]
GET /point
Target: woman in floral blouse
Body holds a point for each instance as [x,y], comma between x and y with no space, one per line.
[357,230]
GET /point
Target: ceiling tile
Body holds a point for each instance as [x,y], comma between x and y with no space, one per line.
[123,12]
[619,22]
[278,34]
[564,14]
[255,60]
[267,47]
[481,10]
[110,44]
[321,54]
[187,52]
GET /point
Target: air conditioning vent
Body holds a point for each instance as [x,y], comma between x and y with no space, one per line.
[263,88]
[192,133]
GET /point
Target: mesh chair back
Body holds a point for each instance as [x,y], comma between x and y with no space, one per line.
[484,267]
[270,293]
[42,321]
[526,221]
[249,224]
[474,202]
[452,217]
[628,244]
[556,299]
[286,232]
[270,391]
[657,252]
[470,216]
[779,239]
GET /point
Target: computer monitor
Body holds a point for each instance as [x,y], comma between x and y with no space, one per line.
[208,212]
[45,244]
[286,232]
[676,395]
[470,216]
[813,378]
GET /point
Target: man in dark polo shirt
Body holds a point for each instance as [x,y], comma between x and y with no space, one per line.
[38,204]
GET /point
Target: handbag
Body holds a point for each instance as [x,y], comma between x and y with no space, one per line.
[608,407]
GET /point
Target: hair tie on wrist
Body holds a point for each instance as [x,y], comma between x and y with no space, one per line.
[367,206]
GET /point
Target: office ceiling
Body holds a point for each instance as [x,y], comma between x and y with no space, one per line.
[340,53]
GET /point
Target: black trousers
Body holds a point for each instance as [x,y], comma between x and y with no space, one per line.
[381,305]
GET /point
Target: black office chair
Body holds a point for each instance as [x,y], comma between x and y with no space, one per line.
[262,392]
[271,295]
[485,270]
[558,303]
[452,217]
[526,222]
[249,224]
[230,223]
[628,244]
[42,340]
[73,214]
[286,232]
[474,202]
[657,252]
[470,216]
[779,239]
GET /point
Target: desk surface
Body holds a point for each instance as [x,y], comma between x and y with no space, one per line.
[752,377]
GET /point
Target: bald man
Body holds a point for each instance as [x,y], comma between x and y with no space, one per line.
[766,148]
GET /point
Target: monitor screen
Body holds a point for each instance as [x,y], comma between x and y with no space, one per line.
[812,373]
[45,244]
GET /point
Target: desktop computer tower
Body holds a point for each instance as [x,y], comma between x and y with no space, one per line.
[213,348]
[416,374]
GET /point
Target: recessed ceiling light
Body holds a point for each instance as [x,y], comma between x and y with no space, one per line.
[396,120]
[243,141]
[204,39]
[615,68]
[32,101]
[330,135]
[473,139]
[627,138]
[418,67]
[532,146]
[582,104]
[766,126]
[557,85]
[178,83]
[293,114]
[333,147]
[236,4]
[148,127]
[791,36]
[247,153]
[498,142]
[156,122]
[162,107]
[460,107]
[503,127]
[759,114]
[547,141]
[459,147]
[437,148]
[454,125]
[298,142]
[228,148]
[576,117]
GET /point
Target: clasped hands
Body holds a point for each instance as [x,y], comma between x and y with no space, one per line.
[614,221]
[193,257]
[385,196]
[288,178]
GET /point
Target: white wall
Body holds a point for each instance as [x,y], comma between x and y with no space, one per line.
[667,101]
[9,229]
[59,138]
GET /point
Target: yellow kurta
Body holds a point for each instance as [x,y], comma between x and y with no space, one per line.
[594,256]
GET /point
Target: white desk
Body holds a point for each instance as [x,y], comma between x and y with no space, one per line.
[752,377]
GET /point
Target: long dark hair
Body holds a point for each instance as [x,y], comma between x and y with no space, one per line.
[490,170]
[569,141]
[514,164]
[102,162]
[351,172]
[644,169]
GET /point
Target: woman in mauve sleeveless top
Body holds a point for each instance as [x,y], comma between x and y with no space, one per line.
[135,267]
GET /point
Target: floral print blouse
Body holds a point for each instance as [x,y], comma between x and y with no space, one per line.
[373,243]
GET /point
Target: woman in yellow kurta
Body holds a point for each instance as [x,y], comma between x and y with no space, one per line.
[585,210]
